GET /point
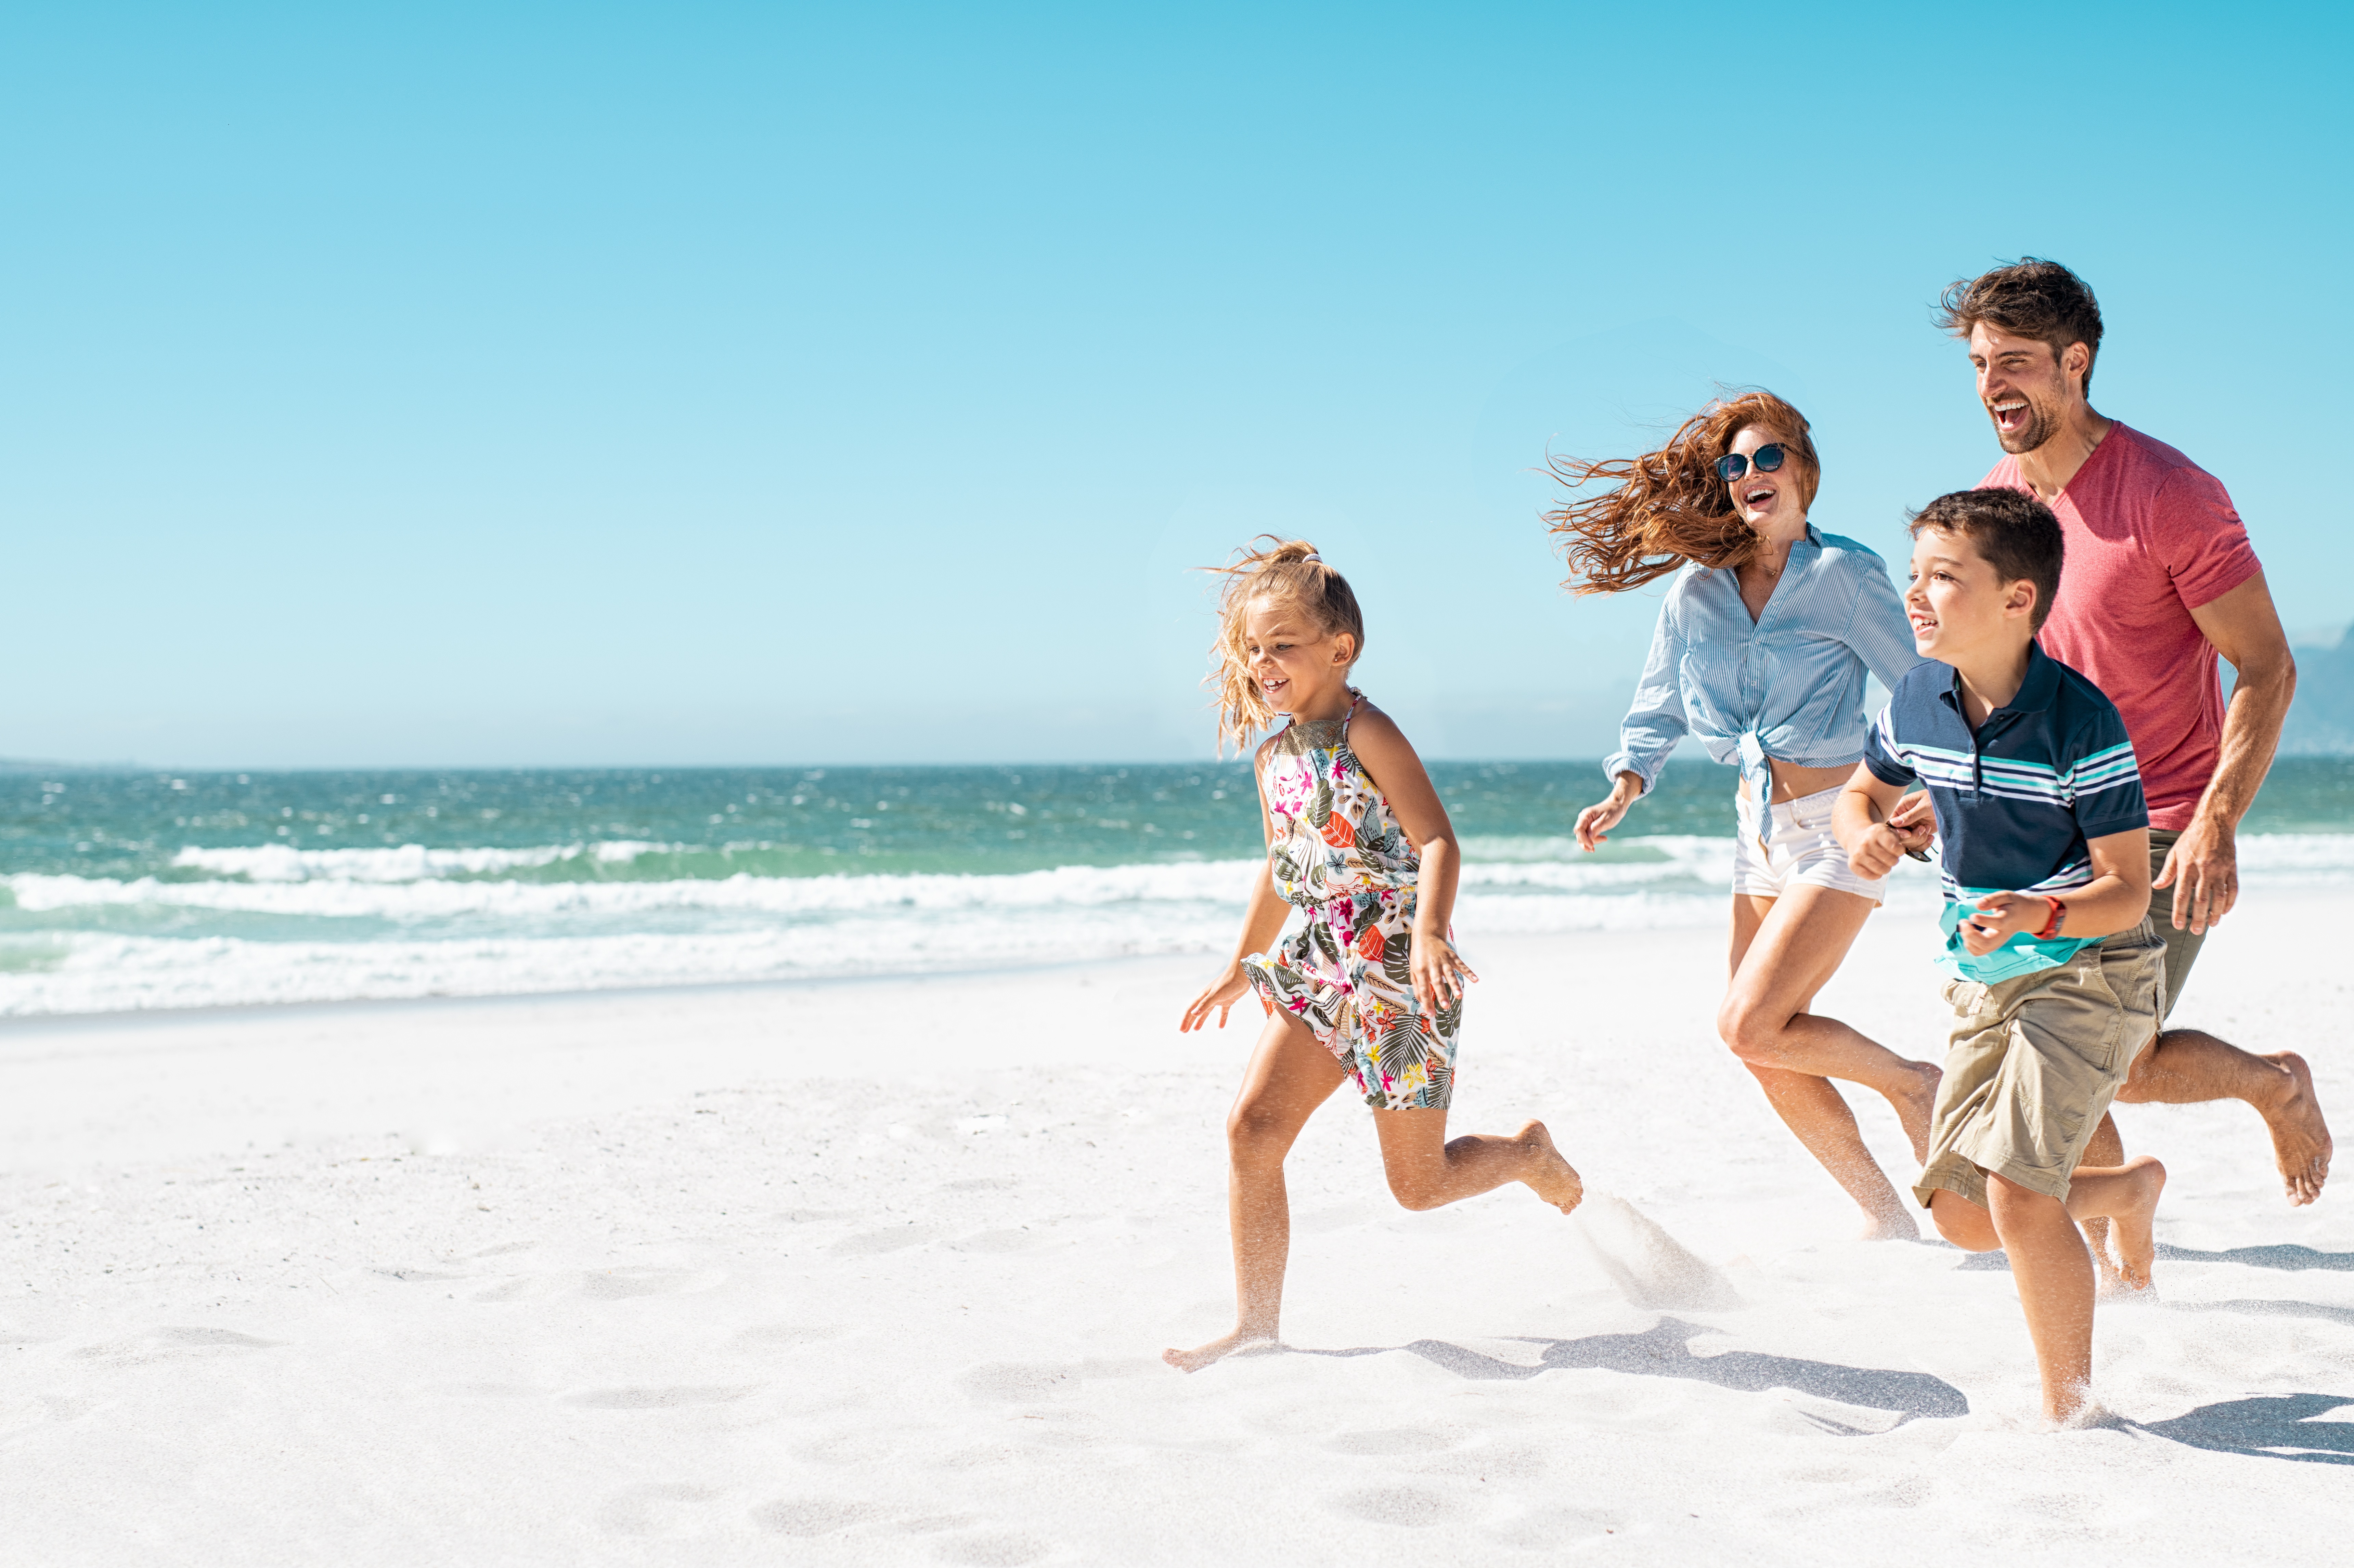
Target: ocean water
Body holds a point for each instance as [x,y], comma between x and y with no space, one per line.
[144,890]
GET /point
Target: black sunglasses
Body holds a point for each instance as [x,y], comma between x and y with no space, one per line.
[1733,465]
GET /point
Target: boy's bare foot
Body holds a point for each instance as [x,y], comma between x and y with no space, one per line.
[2301,1143]
[1913,1104]
[1201,1356]
[2136,1241]
[1554,1178]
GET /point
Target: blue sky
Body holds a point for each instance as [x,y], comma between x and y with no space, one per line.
[497,385]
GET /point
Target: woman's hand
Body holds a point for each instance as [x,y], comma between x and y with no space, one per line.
[1439,973]
[1221,993]
[1594,822]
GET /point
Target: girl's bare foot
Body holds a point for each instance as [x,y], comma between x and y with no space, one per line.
[1914,1103]
[1551,1178]
[1201,1356]
[2136,1241]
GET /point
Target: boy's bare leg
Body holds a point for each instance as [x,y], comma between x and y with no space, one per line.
[1289,1075]
[2054,1271]
[1783,950]
[2054,1275]
[2191,1067]
[1427,1169]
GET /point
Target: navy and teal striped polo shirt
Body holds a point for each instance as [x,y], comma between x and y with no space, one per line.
[2017,800]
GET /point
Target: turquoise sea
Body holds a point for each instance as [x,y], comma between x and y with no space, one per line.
[125,890]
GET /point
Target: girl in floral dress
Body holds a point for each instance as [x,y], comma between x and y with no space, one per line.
[1369,991]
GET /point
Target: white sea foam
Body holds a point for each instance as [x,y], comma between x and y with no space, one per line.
[328,925]
[409,863]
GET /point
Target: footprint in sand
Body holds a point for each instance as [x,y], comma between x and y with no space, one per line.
[654,1508]
[809,1517]
[1408,1506]
[662,1398]
[1394,1440]
[623,1284]
[169,1344]
[868,1242]
[1550,1530]
[992,1548]
[787,1335]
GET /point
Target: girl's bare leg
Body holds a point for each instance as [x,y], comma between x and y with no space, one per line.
[1427,1169]
[1288,1077]
[1783,950]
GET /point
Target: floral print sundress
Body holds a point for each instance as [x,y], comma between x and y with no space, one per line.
[1341,859]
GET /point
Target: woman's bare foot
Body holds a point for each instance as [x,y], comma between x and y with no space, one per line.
[2301,1145]
[1913,1104]
[1895,1225]
[1554,1178]
[1217,1349]
[2131,1228]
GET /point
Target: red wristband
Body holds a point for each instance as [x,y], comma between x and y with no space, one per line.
[2050,920]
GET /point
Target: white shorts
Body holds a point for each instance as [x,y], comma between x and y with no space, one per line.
[1798,850]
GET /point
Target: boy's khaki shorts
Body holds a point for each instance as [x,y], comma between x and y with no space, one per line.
[2033,1063]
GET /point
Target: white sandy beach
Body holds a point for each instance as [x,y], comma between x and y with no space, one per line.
[879,1271]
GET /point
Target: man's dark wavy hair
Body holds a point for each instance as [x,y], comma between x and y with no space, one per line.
[2029,298]
[2013,533]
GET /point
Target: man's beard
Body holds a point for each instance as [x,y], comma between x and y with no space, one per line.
[2040,428]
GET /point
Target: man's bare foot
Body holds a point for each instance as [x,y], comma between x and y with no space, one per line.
[1551,1178]
[2131,1232]
[1217,1349]
[2301,1143]
[1913,1104]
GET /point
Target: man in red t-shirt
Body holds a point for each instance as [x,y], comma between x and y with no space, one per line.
[2159,580]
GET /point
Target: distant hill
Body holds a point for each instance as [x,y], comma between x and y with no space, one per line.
[37,765]
[2322,720]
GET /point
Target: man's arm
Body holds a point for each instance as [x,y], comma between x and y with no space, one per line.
[2203,867]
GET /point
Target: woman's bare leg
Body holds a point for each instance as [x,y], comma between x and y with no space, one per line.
[1288,1077]
[1427,1169]
[1783,950]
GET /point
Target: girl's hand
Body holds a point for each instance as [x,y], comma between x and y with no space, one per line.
[1438,974]
[1997,914]
[1594,822]
[1221,993]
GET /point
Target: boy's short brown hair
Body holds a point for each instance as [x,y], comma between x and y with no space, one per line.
[2013,533]
[2030,298]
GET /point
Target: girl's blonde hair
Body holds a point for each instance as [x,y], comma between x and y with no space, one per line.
[1289,570]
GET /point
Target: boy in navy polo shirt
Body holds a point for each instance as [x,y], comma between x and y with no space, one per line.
[2057,975]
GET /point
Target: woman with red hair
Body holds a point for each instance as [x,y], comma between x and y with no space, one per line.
[1760,655]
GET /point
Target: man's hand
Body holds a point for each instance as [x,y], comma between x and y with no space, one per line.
[2203,869]
[1999,914]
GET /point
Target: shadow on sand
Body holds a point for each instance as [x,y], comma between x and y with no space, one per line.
[2285,1256]
[1662,1351]
[2279,1427]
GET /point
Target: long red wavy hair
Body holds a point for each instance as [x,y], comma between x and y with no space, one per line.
[1668,506]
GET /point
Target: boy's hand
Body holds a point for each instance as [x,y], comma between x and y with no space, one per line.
[2001,914]
[1220,994]
[1915,821]
[1438,974]
[1876,851]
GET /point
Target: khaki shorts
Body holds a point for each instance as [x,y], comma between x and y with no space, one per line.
[2181,947]
[2034,1062]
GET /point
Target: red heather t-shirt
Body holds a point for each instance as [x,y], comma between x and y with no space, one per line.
[2151,536]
